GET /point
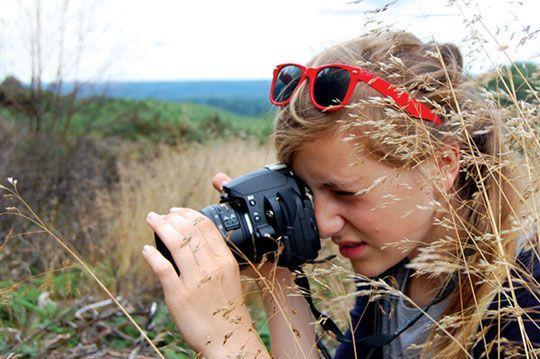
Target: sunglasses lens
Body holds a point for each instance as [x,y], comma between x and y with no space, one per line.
[331,86]
[285,83]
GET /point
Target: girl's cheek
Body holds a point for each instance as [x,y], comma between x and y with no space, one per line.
[367,221]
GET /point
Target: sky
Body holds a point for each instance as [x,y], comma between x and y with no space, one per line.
[123,40]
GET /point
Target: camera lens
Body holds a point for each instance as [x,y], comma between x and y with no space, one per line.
[235,228]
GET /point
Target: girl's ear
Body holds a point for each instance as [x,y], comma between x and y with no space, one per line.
[447,161]
[444,166]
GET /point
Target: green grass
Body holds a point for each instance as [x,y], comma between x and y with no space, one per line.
[154,121]
[39,325]
[27,328]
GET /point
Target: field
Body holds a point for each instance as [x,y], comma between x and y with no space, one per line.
[78,177]
[122,159]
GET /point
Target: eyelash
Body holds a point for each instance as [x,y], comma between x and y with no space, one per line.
[343,193]
[336,192]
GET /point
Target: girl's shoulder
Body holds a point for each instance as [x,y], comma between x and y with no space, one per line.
[528,258]
[513,317]
[526,272]
[525,287]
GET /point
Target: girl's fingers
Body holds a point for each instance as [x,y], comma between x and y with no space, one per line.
[163,270]
[206,229]
[223,265]
[177,243]
[220,179]
[198,246]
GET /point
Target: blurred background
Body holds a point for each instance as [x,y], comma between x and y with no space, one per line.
[111,109]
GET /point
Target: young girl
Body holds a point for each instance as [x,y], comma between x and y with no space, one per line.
[415,183]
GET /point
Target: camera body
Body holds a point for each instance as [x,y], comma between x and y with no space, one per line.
[265,213]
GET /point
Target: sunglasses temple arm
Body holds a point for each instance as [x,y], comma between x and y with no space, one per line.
[402,99]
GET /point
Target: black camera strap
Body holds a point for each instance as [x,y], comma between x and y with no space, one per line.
[326,322]
[372,341]
[377,341]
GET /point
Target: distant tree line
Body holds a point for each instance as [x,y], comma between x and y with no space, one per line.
[515,83]
[241,106]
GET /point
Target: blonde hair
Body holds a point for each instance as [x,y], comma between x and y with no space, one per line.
[487,197]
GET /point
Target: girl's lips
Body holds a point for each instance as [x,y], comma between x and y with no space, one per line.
[352,252]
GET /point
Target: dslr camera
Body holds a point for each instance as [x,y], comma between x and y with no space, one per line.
[265,213]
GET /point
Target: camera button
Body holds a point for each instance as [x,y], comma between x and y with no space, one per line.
[252,202]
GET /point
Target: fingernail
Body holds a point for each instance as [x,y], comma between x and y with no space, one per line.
[146,249]
[224,183]
[152,215]
[174,209]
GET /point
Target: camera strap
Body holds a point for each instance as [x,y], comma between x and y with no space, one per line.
[326,322]
[373,341]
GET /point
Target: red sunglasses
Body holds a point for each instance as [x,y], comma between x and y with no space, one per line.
[331,87]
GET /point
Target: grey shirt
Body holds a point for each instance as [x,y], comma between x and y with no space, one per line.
[399,313]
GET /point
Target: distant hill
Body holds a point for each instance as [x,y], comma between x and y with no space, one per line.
[248,97]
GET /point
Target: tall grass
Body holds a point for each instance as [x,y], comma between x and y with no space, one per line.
[170,177]
[150,178]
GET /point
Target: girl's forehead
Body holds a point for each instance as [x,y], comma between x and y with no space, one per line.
[340,162]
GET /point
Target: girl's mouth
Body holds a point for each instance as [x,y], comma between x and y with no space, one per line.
[352,250]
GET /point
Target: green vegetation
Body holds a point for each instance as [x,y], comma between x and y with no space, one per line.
[511,83]
[132,120]
[55,315]
[46,311]
[167,122]
[66,153]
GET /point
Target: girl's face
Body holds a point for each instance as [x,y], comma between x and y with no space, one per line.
[377,229]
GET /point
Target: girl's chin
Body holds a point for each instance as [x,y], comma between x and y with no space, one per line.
[373,263]
[370,268]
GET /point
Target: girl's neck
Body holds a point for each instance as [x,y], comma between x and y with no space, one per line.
[423,288]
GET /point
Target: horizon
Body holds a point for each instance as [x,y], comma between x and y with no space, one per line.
[269,79]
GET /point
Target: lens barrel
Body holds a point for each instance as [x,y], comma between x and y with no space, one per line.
[235,228]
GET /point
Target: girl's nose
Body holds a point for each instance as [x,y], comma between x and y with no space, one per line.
[329,221]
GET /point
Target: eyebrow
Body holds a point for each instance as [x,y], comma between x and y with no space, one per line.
[334,185]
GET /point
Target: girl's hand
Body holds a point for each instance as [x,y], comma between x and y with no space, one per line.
[206,300]
[292,333]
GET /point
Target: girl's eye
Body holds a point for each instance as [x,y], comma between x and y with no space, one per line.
[343,193]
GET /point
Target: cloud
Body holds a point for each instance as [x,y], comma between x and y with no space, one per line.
[168,40]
